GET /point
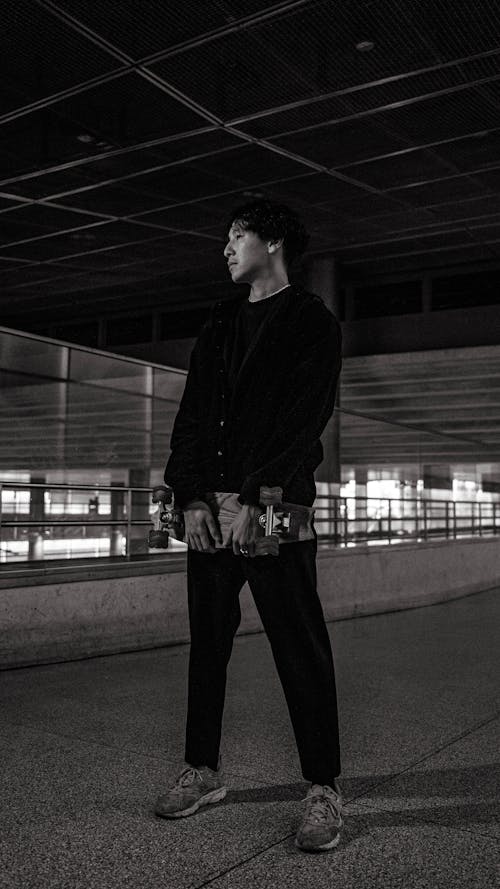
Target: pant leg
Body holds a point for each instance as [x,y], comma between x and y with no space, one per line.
[214,584]
[284,589]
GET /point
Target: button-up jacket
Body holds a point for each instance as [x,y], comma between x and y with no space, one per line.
[266,430]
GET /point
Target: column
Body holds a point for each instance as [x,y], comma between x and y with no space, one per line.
[37,514]
[322,278]
[117,513]
[361,505]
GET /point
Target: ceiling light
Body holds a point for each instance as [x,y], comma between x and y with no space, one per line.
[365,45]
[85,137]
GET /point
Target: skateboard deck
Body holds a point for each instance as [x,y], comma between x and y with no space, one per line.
[278,522]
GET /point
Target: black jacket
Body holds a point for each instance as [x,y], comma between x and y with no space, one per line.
[266,431]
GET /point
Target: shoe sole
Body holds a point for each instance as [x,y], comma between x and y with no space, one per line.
[215,796]
[326,847]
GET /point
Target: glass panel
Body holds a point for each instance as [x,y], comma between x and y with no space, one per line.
[32,356]
[110,371]
[168,384]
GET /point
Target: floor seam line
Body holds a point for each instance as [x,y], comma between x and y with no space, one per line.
[423,820]
[111,747]
[426,757]
[241,863]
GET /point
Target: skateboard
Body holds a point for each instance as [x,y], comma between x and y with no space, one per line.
[167,520]
[278,523]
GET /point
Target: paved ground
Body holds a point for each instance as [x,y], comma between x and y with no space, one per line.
[86,746]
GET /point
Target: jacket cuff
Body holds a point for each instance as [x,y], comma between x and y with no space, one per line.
[184,496]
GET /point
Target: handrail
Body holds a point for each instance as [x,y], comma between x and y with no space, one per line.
[91,350]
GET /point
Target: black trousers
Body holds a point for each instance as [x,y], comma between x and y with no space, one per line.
[284,590]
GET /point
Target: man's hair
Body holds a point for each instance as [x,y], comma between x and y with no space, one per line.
[272,221]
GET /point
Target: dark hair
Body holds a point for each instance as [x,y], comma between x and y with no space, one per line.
[273,221]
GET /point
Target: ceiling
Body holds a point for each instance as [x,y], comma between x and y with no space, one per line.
[130,128]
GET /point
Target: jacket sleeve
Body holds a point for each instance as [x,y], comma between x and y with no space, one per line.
[305,409]
[182,471]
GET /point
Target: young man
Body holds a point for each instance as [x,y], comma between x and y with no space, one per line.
[260,389]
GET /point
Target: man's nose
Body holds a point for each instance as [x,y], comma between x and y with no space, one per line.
[228,250]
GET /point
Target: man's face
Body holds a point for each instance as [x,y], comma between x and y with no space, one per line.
[247,255]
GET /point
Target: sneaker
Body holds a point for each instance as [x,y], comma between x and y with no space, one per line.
[320,828]
[192,789]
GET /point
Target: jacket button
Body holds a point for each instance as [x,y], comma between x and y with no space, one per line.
[219,453]
[221,423]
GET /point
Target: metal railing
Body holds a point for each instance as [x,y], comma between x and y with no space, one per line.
[353,520]
[49,521]
[117,515]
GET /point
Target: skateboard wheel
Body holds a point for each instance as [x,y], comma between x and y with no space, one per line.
[270,496]
[161,494]
[158,540]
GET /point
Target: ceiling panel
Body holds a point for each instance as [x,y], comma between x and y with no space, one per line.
[339,144]
[42,55]
[443,117]
[472,152]
[39,140]
[400,169]
[36,221]
[440,191]
[128,110]
[150,27]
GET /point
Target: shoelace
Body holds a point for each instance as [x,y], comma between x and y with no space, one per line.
[187,777]
[321,805]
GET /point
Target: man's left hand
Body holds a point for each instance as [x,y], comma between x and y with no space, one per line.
[243,533]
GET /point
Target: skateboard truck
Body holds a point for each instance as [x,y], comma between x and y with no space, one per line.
[167,520]
[281,521]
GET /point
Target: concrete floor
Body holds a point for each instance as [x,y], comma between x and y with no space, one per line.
[86,746]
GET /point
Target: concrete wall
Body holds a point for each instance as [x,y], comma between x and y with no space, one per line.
[81,618]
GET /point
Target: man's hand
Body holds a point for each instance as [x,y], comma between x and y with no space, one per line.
[243,532]
[202,531]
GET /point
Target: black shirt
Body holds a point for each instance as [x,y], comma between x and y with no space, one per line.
[247,322]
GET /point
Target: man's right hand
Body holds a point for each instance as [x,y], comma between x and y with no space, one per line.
[202,530]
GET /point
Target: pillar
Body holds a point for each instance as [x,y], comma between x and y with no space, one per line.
[322,278]
[117,514]
[37,514]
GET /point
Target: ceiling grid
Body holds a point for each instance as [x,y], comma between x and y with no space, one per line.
[130,123]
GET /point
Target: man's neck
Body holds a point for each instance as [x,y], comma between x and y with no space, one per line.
[263,288]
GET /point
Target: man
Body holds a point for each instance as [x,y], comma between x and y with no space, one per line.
[260,389]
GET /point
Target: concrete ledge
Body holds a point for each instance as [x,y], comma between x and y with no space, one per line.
[83,618]
[373,579]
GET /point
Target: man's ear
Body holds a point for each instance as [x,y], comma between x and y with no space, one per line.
[274,246]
